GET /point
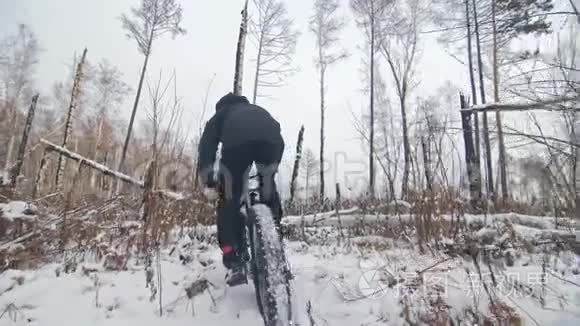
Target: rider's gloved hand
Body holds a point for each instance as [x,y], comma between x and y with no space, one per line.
[210,193]
[207,177]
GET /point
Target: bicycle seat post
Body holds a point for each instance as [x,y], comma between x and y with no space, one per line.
[254,192]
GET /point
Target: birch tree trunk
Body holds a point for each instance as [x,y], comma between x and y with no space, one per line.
[75,97]
[427,164]
[372,112]
[322,193]
[307,194]
[96,150]
[502,158]
[576,171]
[326,25]
[476,169]
[470,158]
[135,106]
[406,150]
[490,185]
[113,184]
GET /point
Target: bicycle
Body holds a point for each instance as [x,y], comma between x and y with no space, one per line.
[267,260]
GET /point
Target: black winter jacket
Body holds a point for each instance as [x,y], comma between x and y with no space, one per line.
[235,122]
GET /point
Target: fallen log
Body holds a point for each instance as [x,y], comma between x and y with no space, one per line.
[92,164]
[107,171]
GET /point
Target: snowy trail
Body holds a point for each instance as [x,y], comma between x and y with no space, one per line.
[345,286]
[120,298]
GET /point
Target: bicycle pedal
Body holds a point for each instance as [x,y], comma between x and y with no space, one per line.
[236,277]
[237,282]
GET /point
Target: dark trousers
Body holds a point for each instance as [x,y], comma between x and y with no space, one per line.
[235,166]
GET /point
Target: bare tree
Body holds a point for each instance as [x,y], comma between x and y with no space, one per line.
[163,113]
[494,29]
[509,19]
[309,166]
[370,17]
[400,47]
[388,147]
[275,39]
[151,20]
[18,58]
[387,144]
[551,84]
[433,123]
[202,114]
[110,91]
[325,24]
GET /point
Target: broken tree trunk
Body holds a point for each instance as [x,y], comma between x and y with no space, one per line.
[296,163]
[473,172]
[238,80]
[239,69]
[75,96]
[15,171]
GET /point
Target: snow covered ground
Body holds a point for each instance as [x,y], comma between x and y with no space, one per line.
[17,210]
[352,216]
[367,280]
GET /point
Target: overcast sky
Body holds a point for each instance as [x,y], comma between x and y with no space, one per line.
[65,27]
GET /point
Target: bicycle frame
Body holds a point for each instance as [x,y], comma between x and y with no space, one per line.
[251,194]
[250,198]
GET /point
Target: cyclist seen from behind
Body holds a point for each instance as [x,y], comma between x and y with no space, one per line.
[248,134]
